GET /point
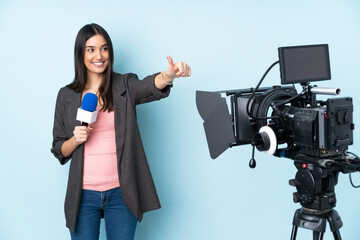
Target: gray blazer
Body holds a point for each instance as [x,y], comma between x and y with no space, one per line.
[137,185]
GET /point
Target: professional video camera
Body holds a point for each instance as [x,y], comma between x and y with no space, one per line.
[282,122]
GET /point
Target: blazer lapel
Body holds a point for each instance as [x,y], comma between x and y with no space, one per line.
[74,102]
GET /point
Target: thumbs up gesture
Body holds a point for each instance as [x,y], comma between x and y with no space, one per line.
[176,70]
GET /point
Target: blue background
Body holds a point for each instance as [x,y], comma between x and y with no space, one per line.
[229,45]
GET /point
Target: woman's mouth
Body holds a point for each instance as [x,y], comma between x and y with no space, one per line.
[98,64]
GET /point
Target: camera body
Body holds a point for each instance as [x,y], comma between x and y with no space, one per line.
[313,128]
[321,131]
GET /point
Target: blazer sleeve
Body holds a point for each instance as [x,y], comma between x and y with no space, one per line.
[143,91]
[59,134]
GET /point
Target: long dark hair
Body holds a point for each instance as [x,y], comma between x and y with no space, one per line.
[78,85]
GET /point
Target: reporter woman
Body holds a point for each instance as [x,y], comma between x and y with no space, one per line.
[109,174]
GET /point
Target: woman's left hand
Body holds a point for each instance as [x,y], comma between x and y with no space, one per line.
[176,70]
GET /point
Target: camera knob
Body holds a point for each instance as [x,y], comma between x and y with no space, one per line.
[294,182]
[306,197]
[296,197]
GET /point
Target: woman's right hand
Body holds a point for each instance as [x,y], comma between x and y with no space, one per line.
[81,134]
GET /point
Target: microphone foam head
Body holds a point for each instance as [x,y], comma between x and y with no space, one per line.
[89,102]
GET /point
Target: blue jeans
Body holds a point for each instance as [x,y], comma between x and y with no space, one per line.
[120,223]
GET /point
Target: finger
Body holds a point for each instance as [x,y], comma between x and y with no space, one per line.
[188,71]
[83,138]
[181,66]
[180,72]
[170,60]
[76,132]
[81,134]
[80,128]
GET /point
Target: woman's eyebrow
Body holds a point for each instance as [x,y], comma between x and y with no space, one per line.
[94,46]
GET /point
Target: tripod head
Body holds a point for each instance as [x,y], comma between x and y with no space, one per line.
[315,180]
[315,187]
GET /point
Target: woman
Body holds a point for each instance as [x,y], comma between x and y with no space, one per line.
[109,173]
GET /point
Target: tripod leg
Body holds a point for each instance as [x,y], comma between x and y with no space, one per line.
[293,233]
[335,224]
[337,235]
[318,235]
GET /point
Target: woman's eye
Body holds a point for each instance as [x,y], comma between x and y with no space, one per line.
[90,50]
[105,49]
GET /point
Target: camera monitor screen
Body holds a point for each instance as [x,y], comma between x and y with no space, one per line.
[304,63]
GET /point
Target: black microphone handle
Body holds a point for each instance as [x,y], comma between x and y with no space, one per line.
[84,124]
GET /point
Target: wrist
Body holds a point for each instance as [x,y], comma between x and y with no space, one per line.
[75,143]
[166,79]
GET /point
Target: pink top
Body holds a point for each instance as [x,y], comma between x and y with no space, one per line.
[100,161]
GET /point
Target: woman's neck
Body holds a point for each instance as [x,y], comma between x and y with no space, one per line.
[93,81]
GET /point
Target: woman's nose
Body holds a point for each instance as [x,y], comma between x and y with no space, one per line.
[98,55]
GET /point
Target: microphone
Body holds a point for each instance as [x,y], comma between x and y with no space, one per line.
[87,113]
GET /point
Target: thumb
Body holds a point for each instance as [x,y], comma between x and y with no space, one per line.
[170,60]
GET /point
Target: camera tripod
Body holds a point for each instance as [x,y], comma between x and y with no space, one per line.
[315,192]
[316,221]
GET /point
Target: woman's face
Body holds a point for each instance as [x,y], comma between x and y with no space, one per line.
[96,57]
